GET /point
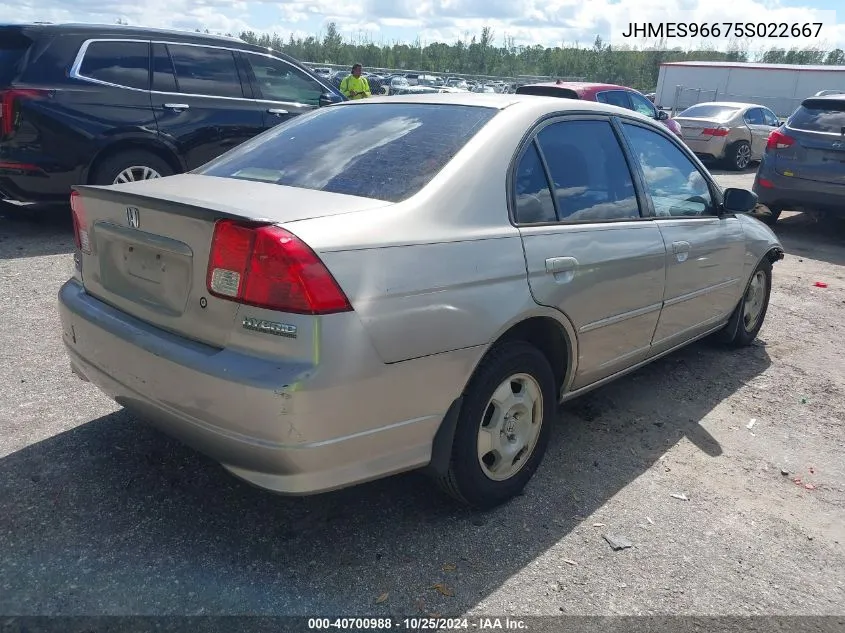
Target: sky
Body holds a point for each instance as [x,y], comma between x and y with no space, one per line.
[524,22]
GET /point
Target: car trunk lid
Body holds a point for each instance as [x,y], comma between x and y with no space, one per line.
[701,129]
[149,244]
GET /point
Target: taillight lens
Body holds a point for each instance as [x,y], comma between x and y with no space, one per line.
[779,140]
[715,131]
[80,226]
[8,114]
[269,267]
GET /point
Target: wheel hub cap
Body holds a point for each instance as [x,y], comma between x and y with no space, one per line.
[754,298]
[510,427]
[135,173]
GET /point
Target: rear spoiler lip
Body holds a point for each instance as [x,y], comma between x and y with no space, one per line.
[207,211]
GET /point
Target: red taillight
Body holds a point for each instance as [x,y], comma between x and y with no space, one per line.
[763,182]
[268,267]
[80,228]
[779,140]
[7,107]
[715,131]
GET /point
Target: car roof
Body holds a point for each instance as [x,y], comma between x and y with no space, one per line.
[730,104]
[531,104]
[580,86]
[105,31]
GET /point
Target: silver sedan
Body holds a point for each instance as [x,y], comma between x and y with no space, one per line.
[407,282]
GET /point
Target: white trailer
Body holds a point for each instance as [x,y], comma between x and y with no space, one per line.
[780,87]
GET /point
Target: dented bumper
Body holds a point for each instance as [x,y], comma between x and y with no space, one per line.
[291,427]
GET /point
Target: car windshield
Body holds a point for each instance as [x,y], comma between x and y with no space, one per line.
[820,115]
[706,111]
[385,151]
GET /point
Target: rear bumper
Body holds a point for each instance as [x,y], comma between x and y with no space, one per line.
[290,427]
[796,194]
[712,149]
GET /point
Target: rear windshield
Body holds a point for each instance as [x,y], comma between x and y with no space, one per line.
[13,47]
[820,115]
[386,151]
[547,91]
[720,113]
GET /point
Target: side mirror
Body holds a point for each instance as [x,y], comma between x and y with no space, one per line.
[739,200]
[327,99]
[662,115]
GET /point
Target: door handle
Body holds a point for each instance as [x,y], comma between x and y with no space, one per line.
[177,106]
[681,250]
[557,265]
[278,111]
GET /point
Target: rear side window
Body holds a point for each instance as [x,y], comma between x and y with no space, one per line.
[121,63]
[13,48]
[533,198]
[591,178]
[820,115]
[201,70]
[385,151]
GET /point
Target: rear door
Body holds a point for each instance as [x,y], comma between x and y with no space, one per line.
[202,100]
[705,253]
[817,151]
[284,90]
[588,251]
[755,119]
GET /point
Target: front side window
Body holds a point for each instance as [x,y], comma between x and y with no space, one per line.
[676,186]
[755,117]
[590,175]
[121,63]
[279,81]
[384,151]
[201,70]
[770,118]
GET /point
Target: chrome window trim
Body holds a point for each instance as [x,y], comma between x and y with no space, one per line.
[74,73]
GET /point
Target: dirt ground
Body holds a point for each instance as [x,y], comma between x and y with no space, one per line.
[101,515]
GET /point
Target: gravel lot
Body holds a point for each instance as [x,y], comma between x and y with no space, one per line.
[100,515]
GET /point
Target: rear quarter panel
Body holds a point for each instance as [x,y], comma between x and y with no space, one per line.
[443,270]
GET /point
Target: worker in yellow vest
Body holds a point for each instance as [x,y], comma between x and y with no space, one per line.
[355,86]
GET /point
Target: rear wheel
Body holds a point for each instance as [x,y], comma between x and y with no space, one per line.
[738,156]
[748,316]
[130,166]
[503,427]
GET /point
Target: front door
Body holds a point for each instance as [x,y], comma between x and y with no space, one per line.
[201,102]
[589,253]
[705,253]
[284,90]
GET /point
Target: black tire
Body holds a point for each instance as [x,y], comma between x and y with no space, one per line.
[112,166]
[466,480]
[737,333]
[738,153]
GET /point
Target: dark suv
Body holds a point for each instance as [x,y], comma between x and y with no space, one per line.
[803,167]
[109,104]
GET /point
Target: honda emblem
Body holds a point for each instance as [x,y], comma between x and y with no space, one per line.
[133,217]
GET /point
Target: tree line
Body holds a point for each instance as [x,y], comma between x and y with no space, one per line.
[482,55]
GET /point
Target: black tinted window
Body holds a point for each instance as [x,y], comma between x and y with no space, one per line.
[615,97]
[547,91]
[279,81]
[755,117]
[820,115]
[676,187]
[121,63]
[164,79]
[533,198]
[13,47]
[642,105]
[386,151]
[205,71]
[591,177]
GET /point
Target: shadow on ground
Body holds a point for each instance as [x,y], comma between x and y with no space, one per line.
[115,518]
[29,232]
